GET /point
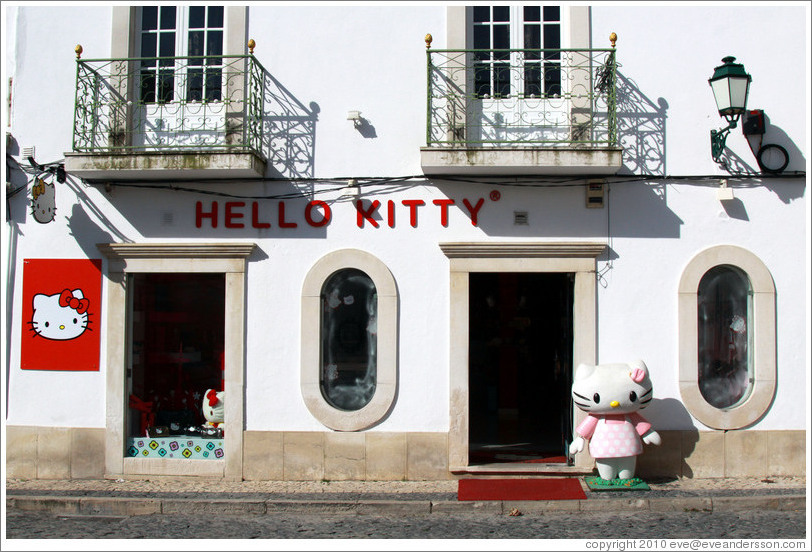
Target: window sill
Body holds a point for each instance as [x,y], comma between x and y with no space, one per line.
[527,160]
[160,165]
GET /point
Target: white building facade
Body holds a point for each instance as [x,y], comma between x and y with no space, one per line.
[390,250]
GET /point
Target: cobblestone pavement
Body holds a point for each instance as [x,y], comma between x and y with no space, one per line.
[636,526]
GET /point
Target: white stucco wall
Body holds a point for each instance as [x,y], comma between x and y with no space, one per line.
[372,59]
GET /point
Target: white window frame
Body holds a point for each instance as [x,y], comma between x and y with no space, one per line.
[764,338]
[387,353]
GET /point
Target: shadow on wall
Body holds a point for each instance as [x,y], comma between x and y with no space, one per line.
[641,129]
[669,460]
[735,165]
[288,131]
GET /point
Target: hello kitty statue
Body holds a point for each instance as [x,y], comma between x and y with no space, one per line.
[612,394]
[213,408]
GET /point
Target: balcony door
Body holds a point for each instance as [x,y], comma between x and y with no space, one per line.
[180,76]
[518,93]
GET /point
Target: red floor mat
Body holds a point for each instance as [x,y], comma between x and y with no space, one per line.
[520,489]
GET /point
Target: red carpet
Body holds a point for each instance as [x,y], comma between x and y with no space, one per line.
[520,489]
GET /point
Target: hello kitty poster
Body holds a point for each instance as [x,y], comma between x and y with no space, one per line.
[61,314]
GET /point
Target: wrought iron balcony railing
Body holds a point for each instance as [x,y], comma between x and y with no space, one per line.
[168,104]
[521,98]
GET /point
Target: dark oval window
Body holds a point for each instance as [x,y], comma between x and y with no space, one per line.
[725,335]
[349,339]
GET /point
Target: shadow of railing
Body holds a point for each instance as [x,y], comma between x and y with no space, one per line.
[288,131]
[641,129]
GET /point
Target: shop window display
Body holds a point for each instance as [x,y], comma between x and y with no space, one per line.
[176,375]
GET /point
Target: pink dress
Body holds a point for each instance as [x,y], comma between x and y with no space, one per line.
[614,435]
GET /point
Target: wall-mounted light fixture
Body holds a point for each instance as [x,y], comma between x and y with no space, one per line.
[355,117]
[730,84]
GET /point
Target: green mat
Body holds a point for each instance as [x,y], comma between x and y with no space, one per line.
[596,483]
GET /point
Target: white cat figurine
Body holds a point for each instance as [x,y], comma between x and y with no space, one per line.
[61,316]
[213,407]
[612,394]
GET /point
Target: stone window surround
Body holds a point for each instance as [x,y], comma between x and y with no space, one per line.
[576,258]
[387,351]
[764,338]
[124,258]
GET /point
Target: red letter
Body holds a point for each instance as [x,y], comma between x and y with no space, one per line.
[443,204]
[200,215]
[255,216]
[366,213]
[309,213]
[230,215]
[475,209]
[282,222]
[390,209]
[413,204]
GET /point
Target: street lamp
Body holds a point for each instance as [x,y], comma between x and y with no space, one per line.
[730,84]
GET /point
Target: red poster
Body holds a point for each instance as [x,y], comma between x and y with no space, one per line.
[61,314]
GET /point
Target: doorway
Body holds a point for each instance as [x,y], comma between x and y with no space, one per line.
[520,350]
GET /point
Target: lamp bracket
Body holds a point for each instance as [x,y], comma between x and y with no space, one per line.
[718,139]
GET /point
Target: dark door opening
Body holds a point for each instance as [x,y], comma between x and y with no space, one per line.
[520,366]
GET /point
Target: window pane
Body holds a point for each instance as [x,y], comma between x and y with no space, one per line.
[149,45]
[482,38]
[167,48]
[482,80]
[147,86]
[215,17]
[149,18]
[532,36]
[552,36]
[724,312]
[195,47]
[168,17]
[501,37]
[501,80]
[552,13]
[197,17]
[214,84]
[194,85]
[349,312]
[532,13]
[552,79]
[501,13]
[214,46]
[482,14]
[532,80]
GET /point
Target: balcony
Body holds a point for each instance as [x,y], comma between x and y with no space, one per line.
[178,117]
[511,112]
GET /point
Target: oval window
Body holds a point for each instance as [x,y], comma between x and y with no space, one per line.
[349,312]
[724,331]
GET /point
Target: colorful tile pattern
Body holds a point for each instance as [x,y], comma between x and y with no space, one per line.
[180,446]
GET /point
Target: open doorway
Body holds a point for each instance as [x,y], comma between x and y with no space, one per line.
[520,366]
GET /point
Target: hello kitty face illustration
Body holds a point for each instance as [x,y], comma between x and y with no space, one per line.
[61,316]
[612,388]
[43,201]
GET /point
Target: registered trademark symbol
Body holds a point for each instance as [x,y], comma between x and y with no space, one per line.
[496,195]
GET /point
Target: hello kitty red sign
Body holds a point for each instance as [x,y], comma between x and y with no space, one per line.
[61,313]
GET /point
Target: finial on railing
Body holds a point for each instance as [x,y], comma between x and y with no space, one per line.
[428,40]
[78,51]
[251,46]
[613,39]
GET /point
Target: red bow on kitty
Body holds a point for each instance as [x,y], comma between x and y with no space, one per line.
[212,396]
[66,299]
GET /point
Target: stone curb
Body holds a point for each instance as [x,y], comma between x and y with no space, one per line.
[126,506]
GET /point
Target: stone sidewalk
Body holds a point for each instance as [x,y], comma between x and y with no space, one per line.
[204,496]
